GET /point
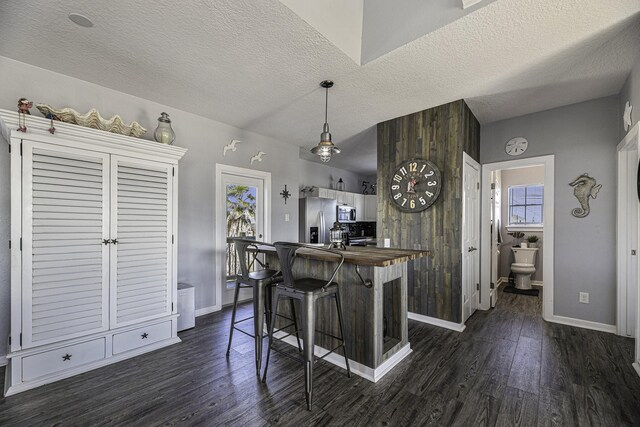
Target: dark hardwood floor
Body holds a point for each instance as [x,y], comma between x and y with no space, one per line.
[508,367]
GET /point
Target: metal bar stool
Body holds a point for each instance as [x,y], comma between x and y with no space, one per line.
[261,281]
[308,291]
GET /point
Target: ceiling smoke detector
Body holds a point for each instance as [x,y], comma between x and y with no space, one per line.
[81,20]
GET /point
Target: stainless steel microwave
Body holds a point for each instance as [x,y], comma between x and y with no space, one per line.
[345,214]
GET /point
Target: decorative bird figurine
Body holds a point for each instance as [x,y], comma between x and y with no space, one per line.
[23,109]
[258,156]
[231,146]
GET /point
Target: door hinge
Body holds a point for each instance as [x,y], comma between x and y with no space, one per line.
[9,148]
[477,286]
[20,339]
[492,285]
[478,185]
[633,252]
[173,239]
[21,243]
[493,185]
[172,307]
[9,244]
[21,148]
[173,171]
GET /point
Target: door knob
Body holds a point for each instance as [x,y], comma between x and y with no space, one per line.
[471,249]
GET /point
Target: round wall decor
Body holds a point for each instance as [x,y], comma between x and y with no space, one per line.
[415,185]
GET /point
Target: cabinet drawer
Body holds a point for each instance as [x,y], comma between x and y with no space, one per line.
[64,358]
[140,337]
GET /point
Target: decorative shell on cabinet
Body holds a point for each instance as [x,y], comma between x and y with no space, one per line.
[93,120]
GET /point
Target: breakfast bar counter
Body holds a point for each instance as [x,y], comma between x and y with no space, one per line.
[373,291]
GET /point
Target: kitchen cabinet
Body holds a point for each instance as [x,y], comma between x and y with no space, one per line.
[358,203]
[344,198]
[370,208]
[94,275]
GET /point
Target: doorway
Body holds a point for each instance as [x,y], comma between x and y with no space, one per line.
[470,236]
[242,210]
[627,238]
[492,232]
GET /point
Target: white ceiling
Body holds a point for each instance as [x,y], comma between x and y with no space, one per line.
[256,64]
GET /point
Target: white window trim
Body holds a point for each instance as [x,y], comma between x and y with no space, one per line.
[525,227]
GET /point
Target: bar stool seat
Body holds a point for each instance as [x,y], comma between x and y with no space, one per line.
[307,290]
[261,281]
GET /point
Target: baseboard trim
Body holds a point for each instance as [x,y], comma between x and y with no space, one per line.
[506,280]
[636,366]
[585,324]
[458,327]
[371,374]
[207,310]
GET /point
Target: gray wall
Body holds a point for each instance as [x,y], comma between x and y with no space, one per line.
[205,140]
[314,174]
[630,92]
[583,138]
[520,176]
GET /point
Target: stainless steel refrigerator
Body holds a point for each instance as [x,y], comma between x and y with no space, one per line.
[316,218]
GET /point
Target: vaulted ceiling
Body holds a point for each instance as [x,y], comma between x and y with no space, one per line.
[257,64]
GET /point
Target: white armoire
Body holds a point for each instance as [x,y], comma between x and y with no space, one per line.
[93,249]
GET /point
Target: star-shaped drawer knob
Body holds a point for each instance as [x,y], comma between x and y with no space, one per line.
[66,357]
[145,336]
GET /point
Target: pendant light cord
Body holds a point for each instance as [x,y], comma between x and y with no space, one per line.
[326,103]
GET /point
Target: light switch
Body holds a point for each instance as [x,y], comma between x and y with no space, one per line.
[584,297]
[286,217]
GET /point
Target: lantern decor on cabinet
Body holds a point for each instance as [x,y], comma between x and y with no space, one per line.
[340,185]
[325,148]
[164,133]
[336,234]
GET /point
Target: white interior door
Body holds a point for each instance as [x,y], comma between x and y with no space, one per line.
[65,266]
[496,223]
[470,236]
[244,202]
[627,241]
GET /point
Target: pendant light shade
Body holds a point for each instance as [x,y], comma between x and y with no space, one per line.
[325,148]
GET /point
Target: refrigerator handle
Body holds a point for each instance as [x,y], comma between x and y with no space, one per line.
[321,224]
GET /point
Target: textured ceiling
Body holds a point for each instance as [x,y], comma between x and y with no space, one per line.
[256,65]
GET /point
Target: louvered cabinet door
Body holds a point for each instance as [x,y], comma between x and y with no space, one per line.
[141,223]
[65,268]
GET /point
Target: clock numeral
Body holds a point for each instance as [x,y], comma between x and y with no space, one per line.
[422,201]
[427,175]
[397,178]
[413,167]
[397,196]
[404,202]
[428,193]
[422,170]
[395,187]
[412,204]
[403,170]
[432,183]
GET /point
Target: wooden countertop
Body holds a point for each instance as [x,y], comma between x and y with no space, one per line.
[364,255]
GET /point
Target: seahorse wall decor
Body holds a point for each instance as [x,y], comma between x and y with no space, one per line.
[584,187]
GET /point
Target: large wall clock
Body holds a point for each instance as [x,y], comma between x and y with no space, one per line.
[415,185]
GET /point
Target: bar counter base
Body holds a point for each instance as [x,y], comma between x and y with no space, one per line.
[371,374]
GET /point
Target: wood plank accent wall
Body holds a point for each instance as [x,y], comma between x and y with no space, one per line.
[440,135]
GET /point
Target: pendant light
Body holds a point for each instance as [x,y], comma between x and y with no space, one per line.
[325,148]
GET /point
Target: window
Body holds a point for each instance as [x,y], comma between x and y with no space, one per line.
[525,204]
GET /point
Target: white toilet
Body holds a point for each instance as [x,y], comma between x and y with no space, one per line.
[524,266]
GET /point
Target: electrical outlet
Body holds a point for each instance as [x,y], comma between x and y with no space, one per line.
[584,297]
[286,217]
